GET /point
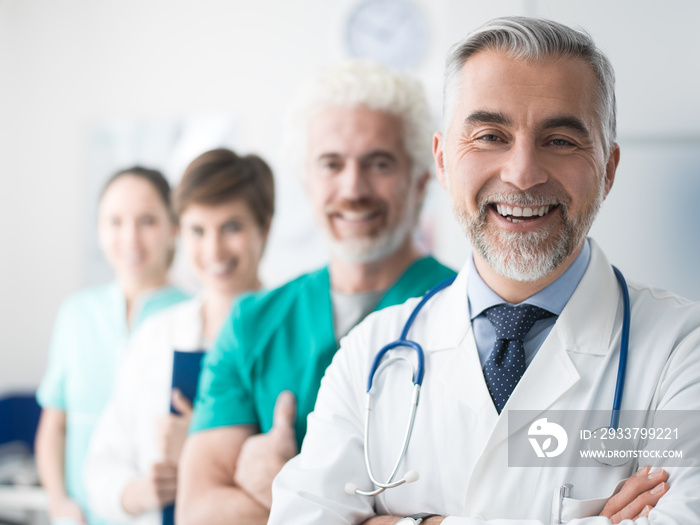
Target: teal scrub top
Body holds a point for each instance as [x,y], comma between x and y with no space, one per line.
[283,340]
[87,345]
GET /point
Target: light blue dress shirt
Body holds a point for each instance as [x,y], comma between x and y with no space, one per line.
[553,298]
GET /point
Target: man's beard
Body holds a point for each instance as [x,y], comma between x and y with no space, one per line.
[375,245]
[528,256]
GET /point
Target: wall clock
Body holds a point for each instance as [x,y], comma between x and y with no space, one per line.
[392,32]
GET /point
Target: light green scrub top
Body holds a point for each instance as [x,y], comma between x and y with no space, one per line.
[283,340]
[87,345]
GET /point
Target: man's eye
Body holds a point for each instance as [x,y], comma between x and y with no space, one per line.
[379,165]
[490,137]
[147,220]
[197,231]
[560,142]
[332,166]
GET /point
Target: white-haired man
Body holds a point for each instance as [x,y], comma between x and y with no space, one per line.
[531,328]
[363,133]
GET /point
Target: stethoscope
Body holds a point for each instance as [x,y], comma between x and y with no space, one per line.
[419,371]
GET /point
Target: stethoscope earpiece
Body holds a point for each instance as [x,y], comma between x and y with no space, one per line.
[411,476]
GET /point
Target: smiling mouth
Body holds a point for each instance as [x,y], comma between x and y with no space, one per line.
[221,269]
[357,216]
[516,214]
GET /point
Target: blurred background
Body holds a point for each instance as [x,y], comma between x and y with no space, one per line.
[89,87]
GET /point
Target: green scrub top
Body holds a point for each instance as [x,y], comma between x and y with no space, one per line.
[87,345]
[283,340]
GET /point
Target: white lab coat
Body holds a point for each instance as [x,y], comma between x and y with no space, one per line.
[124,444]
[459,444]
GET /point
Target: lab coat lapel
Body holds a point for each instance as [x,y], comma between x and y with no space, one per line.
[465,380]
[587,322]
[188,335]
[450,341]
[444,321]
[550,375]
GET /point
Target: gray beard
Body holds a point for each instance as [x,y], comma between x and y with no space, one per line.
[527,256]
[366,250]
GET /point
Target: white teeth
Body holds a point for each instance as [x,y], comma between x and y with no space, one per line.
[517,220]
[517,211]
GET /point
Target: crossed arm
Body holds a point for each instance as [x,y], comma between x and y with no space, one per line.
[226,473]
[207,492]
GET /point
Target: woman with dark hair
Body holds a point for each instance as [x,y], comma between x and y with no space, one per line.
[225,205]
[136,230]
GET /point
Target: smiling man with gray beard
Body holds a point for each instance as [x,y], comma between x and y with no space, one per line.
[359,136]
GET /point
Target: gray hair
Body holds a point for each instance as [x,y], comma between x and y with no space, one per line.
[533,39]
[354,83]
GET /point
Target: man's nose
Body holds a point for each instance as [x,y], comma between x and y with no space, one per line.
[354,181]
[523,167]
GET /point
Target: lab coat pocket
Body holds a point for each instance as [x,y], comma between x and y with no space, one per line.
[566,509]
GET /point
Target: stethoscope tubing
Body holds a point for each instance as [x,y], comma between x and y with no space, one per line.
[624,349]
[390,483]
[429,294]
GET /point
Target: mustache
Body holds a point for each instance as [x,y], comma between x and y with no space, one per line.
[357,205]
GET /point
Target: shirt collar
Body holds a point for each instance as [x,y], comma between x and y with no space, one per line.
[553,298]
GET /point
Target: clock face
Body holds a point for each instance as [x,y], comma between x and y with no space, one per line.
[392,32]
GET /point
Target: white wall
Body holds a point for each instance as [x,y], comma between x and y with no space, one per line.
[68,66]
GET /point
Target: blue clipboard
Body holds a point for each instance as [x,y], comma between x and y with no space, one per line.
[186,369]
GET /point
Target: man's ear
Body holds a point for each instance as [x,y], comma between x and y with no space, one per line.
[611,168]
[439,156]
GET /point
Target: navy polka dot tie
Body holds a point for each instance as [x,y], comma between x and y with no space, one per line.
[506,363]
